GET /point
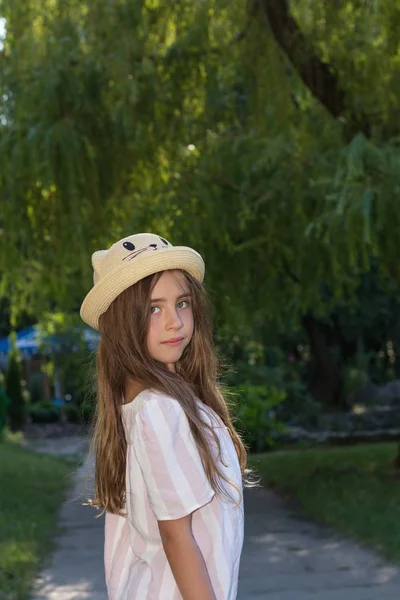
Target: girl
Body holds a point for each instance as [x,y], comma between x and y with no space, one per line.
[169,462]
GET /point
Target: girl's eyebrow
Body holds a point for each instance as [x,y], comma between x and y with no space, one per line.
[186,295]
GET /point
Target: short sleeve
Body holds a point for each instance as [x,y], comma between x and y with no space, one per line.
[169,459]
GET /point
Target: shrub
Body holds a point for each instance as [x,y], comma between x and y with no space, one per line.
[36,387]
[75,373]
[353,380]
[297,407]
[73,413]
[4,403]
[16,408]
[255,418]
[83,413]
[44,412]
[87,411]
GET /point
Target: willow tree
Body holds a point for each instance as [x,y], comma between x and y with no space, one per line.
[264,133]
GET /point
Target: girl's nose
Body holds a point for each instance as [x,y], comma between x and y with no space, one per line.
[173,320]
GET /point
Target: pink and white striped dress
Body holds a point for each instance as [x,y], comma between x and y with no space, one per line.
[165,479]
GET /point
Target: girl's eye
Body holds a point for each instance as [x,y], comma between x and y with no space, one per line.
[183,304]
[154,310]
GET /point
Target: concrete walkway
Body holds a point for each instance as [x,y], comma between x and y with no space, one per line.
[284,557]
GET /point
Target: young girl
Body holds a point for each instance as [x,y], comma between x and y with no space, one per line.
[169,462]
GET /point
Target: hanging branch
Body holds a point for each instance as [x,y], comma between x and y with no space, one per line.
[317,75]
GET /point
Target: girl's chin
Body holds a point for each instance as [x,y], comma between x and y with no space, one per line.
[171,356]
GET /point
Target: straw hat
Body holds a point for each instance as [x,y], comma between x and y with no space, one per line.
[130,260]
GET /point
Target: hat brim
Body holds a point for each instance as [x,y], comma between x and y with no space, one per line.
[110,286]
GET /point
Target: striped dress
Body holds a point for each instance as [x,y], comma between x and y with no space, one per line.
[165,479]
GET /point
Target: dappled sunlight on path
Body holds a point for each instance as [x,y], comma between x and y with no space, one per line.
[76,571]
[286,558]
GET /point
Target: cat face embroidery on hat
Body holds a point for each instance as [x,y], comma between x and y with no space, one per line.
[124,251]
[135,249]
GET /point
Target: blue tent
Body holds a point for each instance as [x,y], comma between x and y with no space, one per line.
[26,342]
[31,342]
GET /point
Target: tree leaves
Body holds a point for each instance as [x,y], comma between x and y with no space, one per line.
[126,116]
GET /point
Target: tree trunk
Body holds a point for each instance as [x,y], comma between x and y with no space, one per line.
[325,383]
[319,77]
[396,462]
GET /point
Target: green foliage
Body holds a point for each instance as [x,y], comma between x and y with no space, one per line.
[72,413]
[353,380]
[29,502]
[87,412]
[73,361]
[36,387]
[4,403]
[212,138]
[272,367]
[13,437]
[76,369]
[14,390]
[82,414]
[44,412]
[255,416]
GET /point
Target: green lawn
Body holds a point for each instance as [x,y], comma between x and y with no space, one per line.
[32,488]
[354,490]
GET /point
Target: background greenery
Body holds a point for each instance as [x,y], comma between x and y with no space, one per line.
[263,133]
[35,487]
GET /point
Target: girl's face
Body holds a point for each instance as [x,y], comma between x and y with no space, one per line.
[171,320]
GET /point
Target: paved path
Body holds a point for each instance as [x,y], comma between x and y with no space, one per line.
[76,571]
[284,558]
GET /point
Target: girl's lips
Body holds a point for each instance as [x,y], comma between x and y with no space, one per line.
[173,342]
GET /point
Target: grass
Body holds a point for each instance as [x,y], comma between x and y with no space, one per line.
[354,490]
[32,488]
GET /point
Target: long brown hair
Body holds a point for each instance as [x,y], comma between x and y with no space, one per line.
[123,355]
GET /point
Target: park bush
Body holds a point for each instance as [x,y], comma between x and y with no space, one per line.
[13,387]
[255,415]
[353,379]
[73,413]
[87,412]
[297,407]
[75,370]
[36,388]
[44,412]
